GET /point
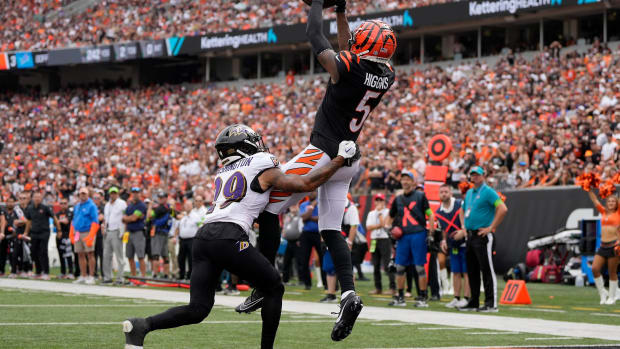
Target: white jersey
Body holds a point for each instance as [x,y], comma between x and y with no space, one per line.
[236,200]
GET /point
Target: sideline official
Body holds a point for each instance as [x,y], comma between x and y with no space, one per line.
[483,211]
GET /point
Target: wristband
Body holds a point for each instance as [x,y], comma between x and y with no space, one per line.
[341,8]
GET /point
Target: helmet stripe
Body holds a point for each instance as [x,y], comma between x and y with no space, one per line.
[367,35]
[372,37]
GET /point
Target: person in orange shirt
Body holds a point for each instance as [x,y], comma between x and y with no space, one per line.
[610,235]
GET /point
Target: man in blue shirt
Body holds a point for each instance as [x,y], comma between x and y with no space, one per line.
[309,238]
[85,214]
[482,212]
[134,219]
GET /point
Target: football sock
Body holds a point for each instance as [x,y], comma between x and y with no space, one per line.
[268,235]
[401,293]
[270,313]
[179,316]
[341,255]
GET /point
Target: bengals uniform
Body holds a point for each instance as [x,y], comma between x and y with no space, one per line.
[346,106]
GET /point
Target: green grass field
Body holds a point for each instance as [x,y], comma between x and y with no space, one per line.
[34,319]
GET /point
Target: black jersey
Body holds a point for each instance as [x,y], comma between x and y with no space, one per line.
[348,103]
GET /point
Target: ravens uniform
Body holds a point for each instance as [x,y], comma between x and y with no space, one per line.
[242,190]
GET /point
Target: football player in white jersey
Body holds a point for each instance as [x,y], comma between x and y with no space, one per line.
[242,189]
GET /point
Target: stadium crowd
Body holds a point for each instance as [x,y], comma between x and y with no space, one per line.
[23,25]
[534,123]
[527,123]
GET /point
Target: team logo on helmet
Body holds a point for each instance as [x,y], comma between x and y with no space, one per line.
[374,40]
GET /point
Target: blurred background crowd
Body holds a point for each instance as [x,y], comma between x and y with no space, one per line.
[528,123]
[42,24]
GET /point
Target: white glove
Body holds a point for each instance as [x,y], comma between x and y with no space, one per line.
[347,149]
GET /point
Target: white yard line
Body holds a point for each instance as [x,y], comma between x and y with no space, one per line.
[477,321]
[605,314]
[549,338]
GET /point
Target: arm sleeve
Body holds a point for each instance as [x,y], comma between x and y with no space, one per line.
[346,62]
[314,30]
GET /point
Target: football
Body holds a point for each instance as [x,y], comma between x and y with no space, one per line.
[326,4]
[397,233]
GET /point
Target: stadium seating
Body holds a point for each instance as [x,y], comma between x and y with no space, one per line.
[23,27]
[524,122]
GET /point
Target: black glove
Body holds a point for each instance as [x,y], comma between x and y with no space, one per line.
[341,6]
[358,154]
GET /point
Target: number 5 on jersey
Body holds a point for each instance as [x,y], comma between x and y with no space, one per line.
[363,107]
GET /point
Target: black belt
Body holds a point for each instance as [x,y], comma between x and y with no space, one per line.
[472,232]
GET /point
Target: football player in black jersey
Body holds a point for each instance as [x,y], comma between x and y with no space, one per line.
[359,77]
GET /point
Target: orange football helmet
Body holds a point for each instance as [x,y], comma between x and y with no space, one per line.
[373,40]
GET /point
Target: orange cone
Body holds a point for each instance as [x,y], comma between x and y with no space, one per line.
[515,293]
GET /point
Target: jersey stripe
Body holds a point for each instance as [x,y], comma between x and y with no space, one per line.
[346,62]
[309,160]
[280,194]
[312,151]
[299,171]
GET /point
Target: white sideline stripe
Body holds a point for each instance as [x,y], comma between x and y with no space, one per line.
[84,305]
[541,310]
[548,338]
[474,321]
[120,323]
[604,314]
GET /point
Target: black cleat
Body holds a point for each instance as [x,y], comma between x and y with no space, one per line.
[135,330]
[251,304]
[350,309]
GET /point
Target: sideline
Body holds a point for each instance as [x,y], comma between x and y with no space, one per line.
[474,321]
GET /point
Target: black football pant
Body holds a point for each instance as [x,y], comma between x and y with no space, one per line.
[39,255]
[381,259]
[433,274]
[307,241]
[210,258]
[358,252]
[287,265]
[4,253]
[185,256]
[478,256]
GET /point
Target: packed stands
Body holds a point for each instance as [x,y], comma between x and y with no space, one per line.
[109,21]
[529,123]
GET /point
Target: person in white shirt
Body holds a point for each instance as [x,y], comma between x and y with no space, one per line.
[186,231]
[113,230]
[380,246]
